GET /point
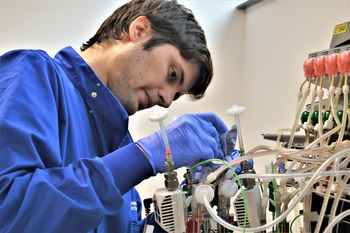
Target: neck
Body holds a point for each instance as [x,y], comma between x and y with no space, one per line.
[96,57]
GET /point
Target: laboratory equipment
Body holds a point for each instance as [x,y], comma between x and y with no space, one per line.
[306,189]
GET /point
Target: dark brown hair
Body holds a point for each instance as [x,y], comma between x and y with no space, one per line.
[171,23]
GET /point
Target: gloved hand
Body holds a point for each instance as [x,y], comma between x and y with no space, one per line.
[192,138]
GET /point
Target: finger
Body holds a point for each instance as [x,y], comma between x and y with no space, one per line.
[216,121]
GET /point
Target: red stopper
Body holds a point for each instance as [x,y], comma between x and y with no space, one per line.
[343,62]
[332,63]
[309,68]
[319,66]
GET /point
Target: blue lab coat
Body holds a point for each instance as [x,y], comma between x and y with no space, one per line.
[60,128]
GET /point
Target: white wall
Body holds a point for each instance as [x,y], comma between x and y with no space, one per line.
[279,37]
[258,54]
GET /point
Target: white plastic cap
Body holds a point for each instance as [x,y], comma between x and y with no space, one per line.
[158,114]
[306,125]
[204,189]
[317,128]
[235,110]
[228,188]
[328,124]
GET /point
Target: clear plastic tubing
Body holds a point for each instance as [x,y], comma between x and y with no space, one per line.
[339,179]
[336,220]
[295,155]
[297,117]
[336,201]
[165,137]
[324,205]
[290,175]
[250,155]
[240,138]
[291,207]
[315,142]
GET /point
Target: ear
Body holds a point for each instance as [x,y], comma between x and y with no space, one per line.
[140,28]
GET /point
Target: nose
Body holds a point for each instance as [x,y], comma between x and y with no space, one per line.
[166,97]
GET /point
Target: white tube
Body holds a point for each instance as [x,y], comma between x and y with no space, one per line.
[320,123]
[315,142]
[345,113]
[336,220]
[291,207]
[281,152]
[339,179]
[290,175]
[336,201]
[297,117]
[239,131]
[299,96]
[324,205]
[280,133]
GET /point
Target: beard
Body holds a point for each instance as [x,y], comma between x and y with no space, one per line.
[125,94]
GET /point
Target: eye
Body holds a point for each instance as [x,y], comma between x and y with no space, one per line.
[173,74]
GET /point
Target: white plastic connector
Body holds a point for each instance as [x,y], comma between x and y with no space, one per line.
[307,126]
[320,93]
[331,90]
[317,128]
[235,110]
[335,188]
[210,178]
[229,174]
[346,88]
[300,94]
[158,115]
[338,91]
[228,188]
[204,189]
[328,124]
[307,92]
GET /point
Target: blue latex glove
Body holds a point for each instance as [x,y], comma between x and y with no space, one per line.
[192,138]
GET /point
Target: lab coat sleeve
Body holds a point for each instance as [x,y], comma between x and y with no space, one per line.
[37,194]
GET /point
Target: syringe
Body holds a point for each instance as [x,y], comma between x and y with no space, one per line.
[171,182]
[236,111]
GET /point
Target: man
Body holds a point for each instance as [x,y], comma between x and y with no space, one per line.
[68,162]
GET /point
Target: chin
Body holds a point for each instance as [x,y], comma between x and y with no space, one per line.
[130,111]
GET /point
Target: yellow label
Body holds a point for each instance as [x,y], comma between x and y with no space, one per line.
[340,28]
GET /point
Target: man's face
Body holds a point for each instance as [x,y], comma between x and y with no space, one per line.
[141,79]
